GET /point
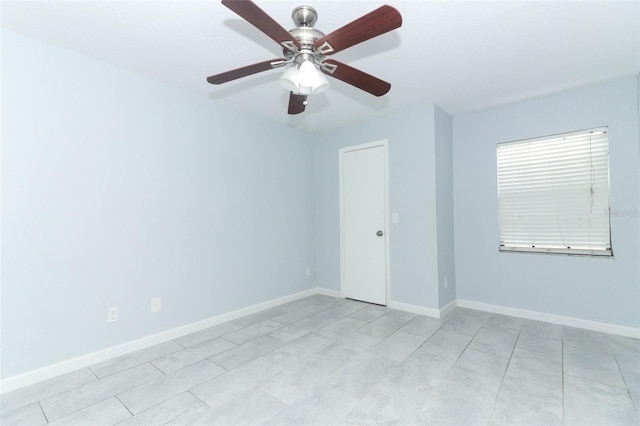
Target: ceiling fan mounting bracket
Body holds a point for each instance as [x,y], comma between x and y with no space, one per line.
[304,16]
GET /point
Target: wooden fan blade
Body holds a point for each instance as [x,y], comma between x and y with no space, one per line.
[355,77]
[297,103]
[259,19]
[245,71]
[373,24]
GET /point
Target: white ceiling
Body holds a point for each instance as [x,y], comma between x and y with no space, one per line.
[461,55]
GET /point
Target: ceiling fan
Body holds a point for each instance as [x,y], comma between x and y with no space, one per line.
[305,50]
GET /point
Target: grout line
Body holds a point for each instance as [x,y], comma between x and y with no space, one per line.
[43,413]
[92,372]
[464,350]
[636,406]
[506,368]
[125,405]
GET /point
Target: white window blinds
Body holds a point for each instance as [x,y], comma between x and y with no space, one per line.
[553,194]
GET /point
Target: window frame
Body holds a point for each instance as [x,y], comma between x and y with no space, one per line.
[505,247]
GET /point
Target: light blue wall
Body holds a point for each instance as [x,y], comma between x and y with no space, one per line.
[412,193]
[606,290]
[117,189]
[444,205]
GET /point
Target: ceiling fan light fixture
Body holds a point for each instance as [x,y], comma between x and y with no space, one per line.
[321,85]
[304,90]
[308,75]
[289,79]
[304,79]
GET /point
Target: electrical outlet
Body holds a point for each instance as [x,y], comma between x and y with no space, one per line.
[308,271]
[156,305]
[112,315]
[446,282]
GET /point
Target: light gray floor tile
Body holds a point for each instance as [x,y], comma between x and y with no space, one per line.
[598,366]
[300,314]
[299,350]
[358,342]
[28,395]
[536,343]
[323,406]
[107,413]
[248,320]
[168,386]
[629,363]
[341,328]
[586,339]
[494,342]
[65,403]
[424,326]
[253,331]
[246,352]
[524,403]
[369,313]
[179,410]
[356,304]
[536,367]
[250,408]
[333,354]
[31,415]
[394,313]
[542,330]
[295,382]
[462,325]
[208,334]
[399,345]
[133,359]
[454,403]
[359,376]
[479,369]
[382,327]
[471,314]
[447,343]
[624,345]
[591,403]
[335,313]
[294,331]
[195,353]
[355,363]
[506,323]
[297,304]
[226,387]
[328,301]
[386,404]
[422,370]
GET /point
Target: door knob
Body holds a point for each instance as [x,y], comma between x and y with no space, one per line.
[379,233]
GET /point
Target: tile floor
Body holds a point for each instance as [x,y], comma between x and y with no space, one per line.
[326,361]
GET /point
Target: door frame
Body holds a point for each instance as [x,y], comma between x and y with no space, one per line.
[384,143]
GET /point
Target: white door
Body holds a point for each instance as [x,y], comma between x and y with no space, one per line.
[363,231]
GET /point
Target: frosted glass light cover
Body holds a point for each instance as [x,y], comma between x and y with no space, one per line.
[308,75]
[321,85]
[289,79]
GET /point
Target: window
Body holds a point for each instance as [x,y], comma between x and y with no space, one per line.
[553,194]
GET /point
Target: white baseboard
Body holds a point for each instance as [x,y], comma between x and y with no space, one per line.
[51,371]
[448,308]
[35,376]
[551,318]
[414,309]
[327,292]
